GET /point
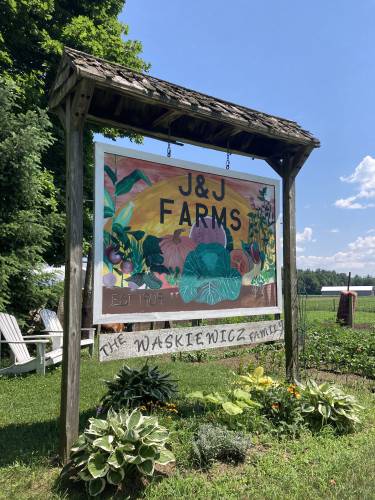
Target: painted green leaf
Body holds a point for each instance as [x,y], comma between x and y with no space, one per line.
[165,457]
[96,486]
[111,174]
[126,184]
[152,281]
[122,219]
[109,206]
[207,276]
[97,465]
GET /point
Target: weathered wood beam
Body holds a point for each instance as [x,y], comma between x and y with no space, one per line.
[277,166]
[59,94]
[166,118]
[119,106]
[225,133]
[164,136]
[75,113]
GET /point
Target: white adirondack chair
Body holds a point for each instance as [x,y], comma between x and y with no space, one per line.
[54,328]
[23,362]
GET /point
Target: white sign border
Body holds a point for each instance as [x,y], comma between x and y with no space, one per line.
[98,316]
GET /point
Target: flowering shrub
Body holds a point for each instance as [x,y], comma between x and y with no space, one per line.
[281,405]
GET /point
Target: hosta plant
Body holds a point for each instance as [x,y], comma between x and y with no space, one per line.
[233,402]
[255,380]
[133,387]
[110,452]
[327,404]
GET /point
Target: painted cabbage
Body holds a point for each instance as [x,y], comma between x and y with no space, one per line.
[208,277]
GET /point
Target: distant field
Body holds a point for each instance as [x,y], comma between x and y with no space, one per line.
[320,308]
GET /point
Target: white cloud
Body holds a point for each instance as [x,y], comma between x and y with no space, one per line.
[359,256]
[300,249]
[335,230]
[364,177]
[306,235]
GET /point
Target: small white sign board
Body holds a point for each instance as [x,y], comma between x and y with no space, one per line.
[155,342]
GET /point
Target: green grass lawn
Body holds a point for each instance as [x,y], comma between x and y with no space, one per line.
[313,466]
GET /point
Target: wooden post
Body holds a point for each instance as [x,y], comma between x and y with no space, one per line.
[288,169]
[290,278]
[75,112]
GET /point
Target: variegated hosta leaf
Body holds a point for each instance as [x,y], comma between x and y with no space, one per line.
[85,475]
[97,465]
[146,467]
[135,419]
[165,457]
[131,435]
[132,459]
[115,476]
[116,459]
[147,452]
[104,442]
[96,486]
[80,444]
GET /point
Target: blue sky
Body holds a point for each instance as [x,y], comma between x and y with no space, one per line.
[313,62]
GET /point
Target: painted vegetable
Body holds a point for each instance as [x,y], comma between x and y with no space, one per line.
[109,280]
[175,248]
[240,261]
[208,277]
[213,233]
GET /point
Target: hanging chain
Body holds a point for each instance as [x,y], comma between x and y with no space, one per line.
[227,163]
[169,150]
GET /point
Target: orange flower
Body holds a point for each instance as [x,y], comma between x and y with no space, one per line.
[275,406]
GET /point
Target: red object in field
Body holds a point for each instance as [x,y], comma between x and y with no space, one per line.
[343,312]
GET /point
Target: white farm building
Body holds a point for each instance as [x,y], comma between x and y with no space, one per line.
[336,290]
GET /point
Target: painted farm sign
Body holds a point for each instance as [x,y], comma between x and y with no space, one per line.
[176,240]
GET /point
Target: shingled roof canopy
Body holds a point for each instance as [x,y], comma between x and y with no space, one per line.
[155,108]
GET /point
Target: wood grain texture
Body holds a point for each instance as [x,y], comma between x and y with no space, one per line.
[290,279]
[75,113]
[155,342]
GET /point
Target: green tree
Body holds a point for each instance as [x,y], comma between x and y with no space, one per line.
[32,36]
[28,204]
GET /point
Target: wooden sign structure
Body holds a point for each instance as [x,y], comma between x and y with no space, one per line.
[155,342]
[90,89]
[176,240]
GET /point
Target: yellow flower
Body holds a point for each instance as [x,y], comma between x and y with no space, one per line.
[297,395]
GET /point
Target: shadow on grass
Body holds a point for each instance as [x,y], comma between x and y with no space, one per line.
[27,443]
